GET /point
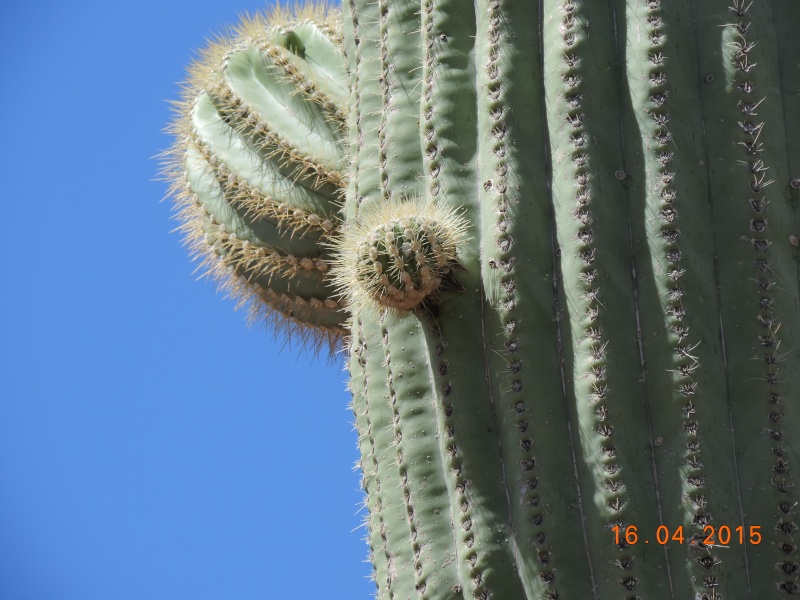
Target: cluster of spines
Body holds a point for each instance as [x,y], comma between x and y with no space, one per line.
[430,155]
[387,94]
[413,260]
[768,344]
[398,255]
[590,276]
[684,362]
[521,472]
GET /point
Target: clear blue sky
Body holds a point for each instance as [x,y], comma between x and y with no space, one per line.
[152,446]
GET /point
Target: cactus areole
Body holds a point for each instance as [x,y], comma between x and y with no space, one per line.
[559,239]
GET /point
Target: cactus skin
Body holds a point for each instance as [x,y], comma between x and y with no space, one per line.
[619,342]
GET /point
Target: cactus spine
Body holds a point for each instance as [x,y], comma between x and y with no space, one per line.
[569,251]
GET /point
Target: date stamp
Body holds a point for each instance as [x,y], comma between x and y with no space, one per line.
[721,537]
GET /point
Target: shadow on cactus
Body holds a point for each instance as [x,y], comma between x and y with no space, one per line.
[561,238]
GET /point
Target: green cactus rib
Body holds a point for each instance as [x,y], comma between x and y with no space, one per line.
[590,207]
[526,384]
[564,238]
[365,106]
[370,481]
[673,233]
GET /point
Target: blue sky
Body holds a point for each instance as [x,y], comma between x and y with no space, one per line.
[152,445]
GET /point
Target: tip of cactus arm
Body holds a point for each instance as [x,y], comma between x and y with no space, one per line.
[242,269]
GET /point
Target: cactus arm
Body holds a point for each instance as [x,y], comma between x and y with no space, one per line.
[257,169]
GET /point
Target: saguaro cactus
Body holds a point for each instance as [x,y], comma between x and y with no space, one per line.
[569,251]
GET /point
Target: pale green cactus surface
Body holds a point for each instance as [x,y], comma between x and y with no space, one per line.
[559,239]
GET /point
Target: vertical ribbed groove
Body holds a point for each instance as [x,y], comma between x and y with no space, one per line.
[603,366]
[394,508]
[718,303]
[402,464]
[400,79]
[613,414]
[449,142]
[516,269]
[469,445]
[760,154]
[558,311]
[672,228]
[387,97]
[356,137]
[493,32]
[787,23]
[410,383]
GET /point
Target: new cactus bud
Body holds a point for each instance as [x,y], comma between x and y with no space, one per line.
[399,255]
